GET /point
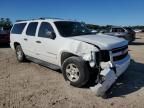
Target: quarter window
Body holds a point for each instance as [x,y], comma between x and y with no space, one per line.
[31,29]
[18,28]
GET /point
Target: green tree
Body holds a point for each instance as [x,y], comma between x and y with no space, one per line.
[5,23]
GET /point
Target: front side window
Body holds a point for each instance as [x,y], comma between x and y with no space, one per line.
[31,29]
[18,28]
[45,28]
[68,28]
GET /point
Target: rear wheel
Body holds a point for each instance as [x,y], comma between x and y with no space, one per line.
[19,54]
[75,71]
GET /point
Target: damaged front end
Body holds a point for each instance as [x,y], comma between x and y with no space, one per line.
[108,69]
[106,78]
[105,75]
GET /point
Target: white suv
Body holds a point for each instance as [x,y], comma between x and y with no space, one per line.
[70,46]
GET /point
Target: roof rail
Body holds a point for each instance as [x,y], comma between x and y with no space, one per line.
[20,20]
[41,18]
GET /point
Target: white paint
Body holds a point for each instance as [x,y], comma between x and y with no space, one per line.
[83,46]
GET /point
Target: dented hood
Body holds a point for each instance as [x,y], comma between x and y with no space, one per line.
[103,41]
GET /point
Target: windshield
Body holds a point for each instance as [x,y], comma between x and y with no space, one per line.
[68,29]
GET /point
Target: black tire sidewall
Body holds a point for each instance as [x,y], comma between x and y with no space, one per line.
[81,65]
[18,47]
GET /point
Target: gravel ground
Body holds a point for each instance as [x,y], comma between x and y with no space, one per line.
[29,85]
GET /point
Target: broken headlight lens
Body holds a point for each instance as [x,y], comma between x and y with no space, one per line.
[101,79]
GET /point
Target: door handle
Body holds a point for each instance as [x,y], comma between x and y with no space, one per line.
[38,41]
[25,39]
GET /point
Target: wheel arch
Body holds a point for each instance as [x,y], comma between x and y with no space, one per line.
[65,55]
[15,44]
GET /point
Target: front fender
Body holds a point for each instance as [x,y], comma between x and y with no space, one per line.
[81,49]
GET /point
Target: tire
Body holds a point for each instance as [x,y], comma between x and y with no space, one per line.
[75,71]
[19,54]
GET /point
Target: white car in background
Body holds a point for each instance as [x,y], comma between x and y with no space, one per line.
[138,30]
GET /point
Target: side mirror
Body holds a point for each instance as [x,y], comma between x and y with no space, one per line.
[51,35]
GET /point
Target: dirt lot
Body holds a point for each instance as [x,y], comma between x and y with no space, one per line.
[29,85]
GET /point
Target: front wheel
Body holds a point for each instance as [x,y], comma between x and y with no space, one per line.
[75,71]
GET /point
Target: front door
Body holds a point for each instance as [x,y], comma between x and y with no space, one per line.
[47,47]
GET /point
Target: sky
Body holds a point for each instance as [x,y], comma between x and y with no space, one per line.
[101,12]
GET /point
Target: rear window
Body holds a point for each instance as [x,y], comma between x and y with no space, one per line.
[129,29]
[31,30]
[18,28]
[118,30]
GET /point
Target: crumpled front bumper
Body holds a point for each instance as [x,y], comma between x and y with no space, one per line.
[122,65]
[110,76]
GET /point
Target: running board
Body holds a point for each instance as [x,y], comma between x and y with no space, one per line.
[43,63]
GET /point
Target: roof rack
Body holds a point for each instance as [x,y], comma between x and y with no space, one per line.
[20,20]
[42,18]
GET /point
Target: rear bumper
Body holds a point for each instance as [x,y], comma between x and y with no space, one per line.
[130,37]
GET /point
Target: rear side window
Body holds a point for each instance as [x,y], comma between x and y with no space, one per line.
[31,29]
[18,28]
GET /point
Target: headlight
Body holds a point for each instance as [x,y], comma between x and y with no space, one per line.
[91,57]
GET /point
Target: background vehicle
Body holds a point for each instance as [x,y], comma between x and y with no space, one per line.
[138,30]
[126,33]
[4,36]
[71,47]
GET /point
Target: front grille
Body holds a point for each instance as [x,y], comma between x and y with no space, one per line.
[120,53]
[117,58]
[115,50]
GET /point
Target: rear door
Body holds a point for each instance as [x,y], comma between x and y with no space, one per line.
[29,39]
